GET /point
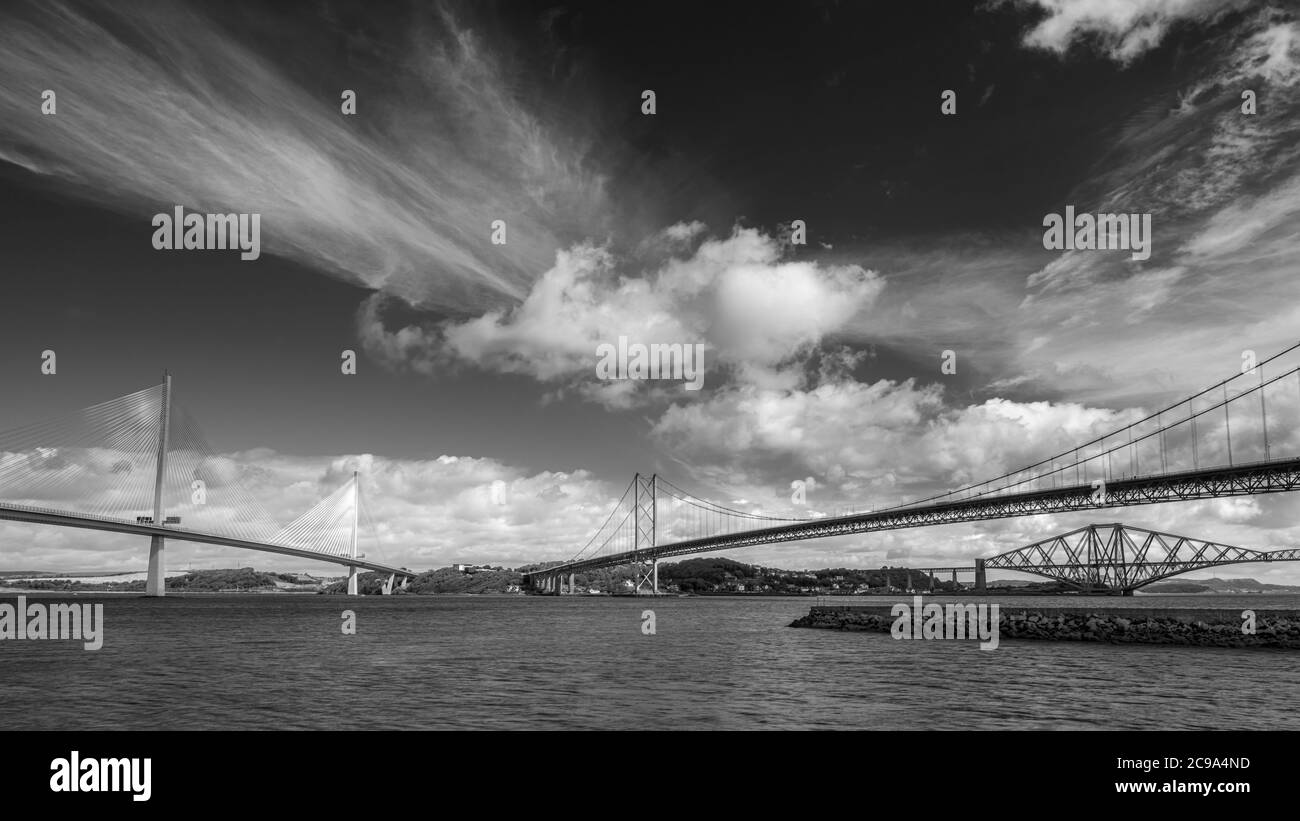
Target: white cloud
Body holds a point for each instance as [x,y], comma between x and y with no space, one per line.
[759,316]
[1124,28]
[898,441]
[399,197]
[426,513]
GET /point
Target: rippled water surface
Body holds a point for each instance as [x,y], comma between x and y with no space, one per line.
[424,662]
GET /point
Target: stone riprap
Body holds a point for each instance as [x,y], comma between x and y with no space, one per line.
[1206,628]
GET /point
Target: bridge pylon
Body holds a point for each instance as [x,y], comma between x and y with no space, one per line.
[644,533]
[356,509]
[156,583]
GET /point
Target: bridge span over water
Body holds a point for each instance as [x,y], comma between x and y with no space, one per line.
[1240,436]
[140,465]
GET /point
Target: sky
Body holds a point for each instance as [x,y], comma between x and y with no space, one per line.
[476,361]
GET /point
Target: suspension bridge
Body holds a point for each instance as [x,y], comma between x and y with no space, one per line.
[139,464]
[1240,436]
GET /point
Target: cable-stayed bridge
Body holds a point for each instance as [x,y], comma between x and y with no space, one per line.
[1240,436]
[140,464]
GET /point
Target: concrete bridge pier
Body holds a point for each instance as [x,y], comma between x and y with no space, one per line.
[931,575]
[352,580]
[980,578]
[909,580]
[572,589]
[156,585]
[388,585]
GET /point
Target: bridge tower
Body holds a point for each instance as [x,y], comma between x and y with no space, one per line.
[156,583]
[647,491]
[352,551]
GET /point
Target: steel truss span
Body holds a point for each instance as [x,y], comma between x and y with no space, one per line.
[1117,557]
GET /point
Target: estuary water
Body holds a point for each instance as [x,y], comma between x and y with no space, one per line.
[249,661]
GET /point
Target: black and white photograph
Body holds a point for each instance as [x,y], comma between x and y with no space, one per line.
[523,367]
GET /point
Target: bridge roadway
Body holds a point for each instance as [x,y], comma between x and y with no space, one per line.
[1273,476]
[20,513]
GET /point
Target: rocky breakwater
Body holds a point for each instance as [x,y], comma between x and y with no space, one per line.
[1205,628]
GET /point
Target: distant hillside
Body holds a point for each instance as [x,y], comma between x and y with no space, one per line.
[240,580]
[448,580]
[1217,585]
[444,580]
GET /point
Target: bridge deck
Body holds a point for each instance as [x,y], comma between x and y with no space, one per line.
[19,513]
[1272,476]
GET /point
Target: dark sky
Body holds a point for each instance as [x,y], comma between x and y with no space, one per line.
[925,230]
[827,112]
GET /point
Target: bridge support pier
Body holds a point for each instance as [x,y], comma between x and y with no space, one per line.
[909,580]
[352,581]
[156,585]
[980,580]
[648,577]
[572,589]
[388,585]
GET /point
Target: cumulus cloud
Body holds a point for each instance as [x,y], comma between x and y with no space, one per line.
[758,315]
[884,440]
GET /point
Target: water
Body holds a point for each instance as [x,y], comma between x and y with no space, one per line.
[444,662]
